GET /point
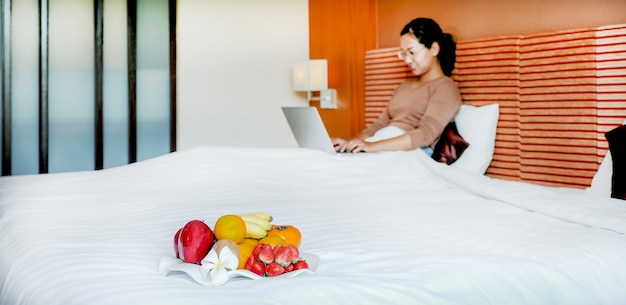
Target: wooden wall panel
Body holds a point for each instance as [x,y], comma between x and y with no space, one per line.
[384,71]
[486,72]
[558,93]
[611,82]
[341,31]
[557,106]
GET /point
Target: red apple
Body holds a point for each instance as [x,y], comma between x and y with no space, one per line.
[176,236]
[195,241]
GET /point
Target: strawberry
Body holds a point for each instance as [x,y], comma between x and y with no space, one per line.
[283,256]
[301,264]
[274,269]
[289,268]
[295,254]
[277,248]
[256,250]
[258,268]
[250,262]
[267,254]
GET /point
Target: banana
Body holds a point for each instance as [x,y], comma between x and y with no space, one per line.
[255,231]
[250,218]
[264,216]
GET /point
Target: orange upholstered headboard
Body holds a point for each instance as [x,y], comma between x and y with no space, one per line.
[558,93]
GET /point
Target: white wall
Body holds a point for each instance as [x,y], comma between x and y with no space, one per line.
[234,71]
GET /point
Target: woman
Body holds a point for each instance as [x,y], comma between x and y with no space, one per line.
[421,108]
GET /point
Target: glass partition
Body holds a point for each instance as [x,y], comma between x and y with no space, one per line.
[152,78]
[71,63]
[72,86]
[25,87]
[115,84]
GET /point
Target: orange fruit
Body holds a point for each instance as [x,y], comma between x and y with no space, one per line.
[230,227]
[273,240]
[245,250]
[289,233]
[251,241]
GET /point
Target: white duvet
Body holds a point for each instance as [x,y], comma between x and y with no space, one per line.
[389,228]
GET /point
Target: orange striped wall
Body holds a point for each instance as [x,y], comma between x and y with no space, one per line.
[558,106]
[338,28]
[383,73]
[487,71]
[558,92]
[610,81]
[538,136]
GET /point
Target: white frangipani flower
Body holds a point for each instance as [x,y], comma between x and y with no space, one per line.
[215,266]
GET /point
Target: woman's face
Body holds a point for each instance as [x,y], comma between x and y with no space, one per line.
[417,56]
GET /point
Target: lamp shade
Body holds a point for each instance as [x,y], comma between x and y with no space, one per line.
[310,75]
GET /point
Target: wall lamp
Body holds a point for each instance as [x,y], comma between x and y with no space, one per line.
[312,75]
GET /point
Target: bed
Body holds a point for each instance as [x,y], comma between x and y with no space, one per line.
[388,228]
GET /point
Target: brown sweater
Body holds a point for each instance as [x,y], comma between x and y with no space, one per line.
[422,109]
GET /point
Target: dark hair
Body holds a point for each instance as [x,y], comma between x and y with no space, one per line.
[428,31]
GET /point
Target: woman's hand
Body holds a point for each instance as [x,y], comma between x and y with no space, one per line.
[352,145]
[402,142]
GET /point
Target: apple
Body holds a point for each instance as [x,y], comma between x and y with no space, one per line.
[194,241]
[176,237]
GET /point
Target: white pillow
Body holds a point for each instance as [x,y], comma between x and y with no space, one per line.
[385,133]
[477,125]
[601,182]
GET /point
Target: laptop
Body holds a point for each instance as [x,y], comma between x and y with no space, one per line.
[308,129]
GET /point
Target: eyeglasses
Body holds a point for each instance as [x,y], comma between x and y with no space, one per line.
[404,54]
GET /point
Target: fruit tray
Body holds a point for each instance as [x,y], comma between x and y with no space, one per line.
[171,264]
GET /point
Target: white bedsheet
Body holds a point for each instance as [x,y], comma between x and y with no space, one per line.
[389,228]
